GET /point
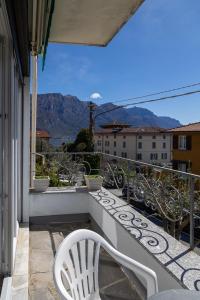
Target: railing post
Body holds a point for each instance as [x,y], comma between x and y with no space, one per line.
[100,164]
[191,197]
[128,181]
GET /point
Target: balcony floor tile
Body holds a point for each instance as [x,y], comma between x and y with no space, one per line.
[44,241]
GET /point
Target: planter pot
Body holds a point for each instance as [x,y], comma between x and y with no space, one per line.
[41,184]
[93,182]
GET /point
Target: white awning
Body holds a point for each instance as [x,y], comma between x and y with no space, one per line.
[89,22]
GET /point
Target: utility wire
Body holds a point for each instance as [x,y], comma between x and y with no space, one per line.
[157,93]
[149,101]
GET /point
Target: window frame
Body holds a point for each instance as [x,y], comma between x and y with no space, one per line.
[182,142]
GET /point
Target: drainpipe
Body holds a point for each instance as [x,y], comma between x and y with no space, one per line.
[33,117]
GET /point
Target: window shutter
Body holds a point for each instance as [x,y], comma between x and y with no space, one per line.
[175,141]
[189,142]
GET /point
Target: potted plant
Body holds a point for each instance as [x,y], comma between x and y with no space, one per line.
[93,182]
[41,183]
[41,179]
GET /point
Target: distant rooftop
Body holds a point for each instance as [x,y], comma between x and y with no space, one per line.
[132,130]
[42,134]
[115,125]
[189,127]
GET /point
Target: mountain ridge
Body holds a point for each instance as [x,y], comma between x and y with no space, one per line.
[64,115]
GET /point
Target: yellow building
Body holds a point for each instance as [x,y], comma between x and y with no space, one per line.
[186,148]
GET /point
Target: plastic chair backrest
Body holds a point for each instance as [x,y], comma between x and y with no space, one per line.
[76,265]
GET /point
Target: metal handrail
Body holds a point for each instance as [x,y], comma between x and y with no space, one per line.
[188,185]
[128,159]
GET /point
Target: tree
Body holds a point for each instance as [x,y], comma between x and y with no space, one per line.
[83,142]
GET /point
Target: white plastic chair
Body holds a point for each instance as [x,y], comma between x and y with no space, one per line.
[76,266]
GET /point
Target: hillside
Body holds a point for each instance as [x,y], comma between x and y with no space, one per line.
[63,116]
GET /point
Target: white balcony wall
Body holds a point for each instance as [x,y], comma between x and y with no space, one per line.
[58,203]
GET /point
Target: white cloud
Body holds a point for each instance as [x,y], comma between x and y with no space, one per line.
[96,96]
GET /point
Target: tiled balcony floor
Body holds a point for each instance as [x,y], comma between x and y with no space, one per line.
[44,241]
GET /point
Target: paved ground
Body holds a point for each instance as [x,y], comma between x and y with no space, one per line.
[44,241]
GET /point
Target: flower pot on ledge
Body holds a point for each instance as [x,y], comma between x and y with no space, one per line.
[93,182]
[41,183]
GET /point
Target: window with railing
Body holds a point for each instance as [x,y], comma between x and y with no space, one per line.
[163,155]
[153,156]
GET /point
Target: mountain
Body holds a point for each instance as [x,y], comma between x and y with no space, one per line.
[63,116]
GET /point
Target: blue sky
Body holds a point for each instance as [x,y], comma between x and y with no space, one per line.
[159,48]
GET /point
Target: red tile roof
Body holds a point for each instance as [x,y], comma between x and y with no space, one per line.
[135,130]
[42,134]
[189,127]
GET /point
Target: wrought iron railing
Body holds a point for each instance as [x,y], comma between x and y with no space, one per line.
[168,197]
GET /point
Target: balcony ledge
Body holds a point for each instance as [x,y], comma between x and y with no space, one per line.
[182,263]
[56,190]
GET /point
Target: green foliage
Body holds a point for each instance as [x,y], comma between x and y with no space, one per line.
[52,171]
[94,162]
[83,142]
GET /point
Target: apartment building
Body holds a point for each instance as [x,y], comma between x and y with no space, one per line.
[186,148]
[148,144]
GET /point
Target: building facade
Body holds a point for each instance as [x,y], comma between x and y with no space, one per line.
[146,144]
[186,148]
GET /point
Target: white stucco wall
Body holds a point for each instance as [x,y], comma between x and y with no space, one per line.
[58,203]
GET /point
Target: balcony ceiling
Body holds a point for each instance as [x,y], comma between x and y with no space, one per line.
[90,22]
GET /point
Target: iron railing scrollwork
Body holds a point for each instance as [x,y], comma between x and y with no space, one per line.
[172,196]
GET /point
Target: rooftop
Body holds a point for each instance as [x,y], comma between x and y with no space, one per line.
[189,127]
[133,130]
[42,134]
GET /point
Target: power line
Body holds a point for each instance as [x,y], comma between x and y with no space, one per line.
[149,101]
[157,93]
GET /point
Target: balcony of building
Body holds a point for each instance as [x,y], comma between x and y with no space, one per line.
[147,212]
